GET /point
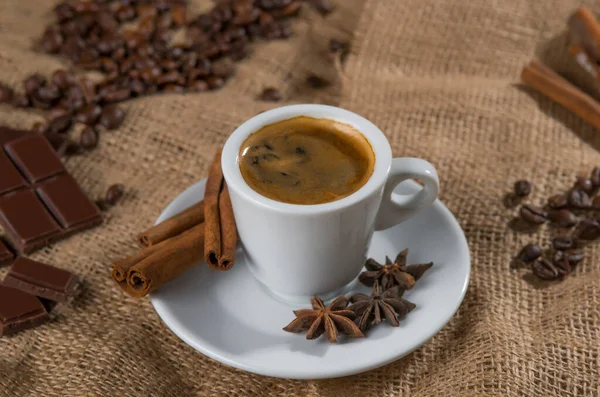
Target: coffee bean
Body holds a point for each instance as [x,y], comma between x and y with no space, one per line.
[39,127]
[270,95]
[596,203]
[532,214]
[88,88]
[522,188]
[59,111]
[578,199]
[150,74]
[595,177]
[114,193]
[89,138]
[215,82]
[198,86]
[117,95]
[111,117]
[563,267]
[574,256]
[75,97]
[107,22]
[48,94]
[588,229]
[89,114]
[557,201]
[170,88]
[6,93]
[59,124]
[317,82]
[125,13]
[33,83]
[62,79]
[20,101]
[51,40]
[64,11]
[563,242]
[324,7]
[584,184]
[562,218]
[179,14]
[290,10]
[545,270]
[530,252]
[137,87]
[169,77]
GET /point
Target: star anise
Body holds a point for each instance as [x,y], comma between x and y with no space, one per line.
[330,320]
[393,273]
[368,309]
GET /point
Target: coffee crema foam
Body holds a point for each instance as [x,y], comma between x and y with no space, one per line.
[304,160]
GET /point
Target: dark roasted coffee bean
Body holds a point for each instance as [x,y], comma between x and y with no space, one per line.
[522,188]
[33,83]
[215,82]
[146,11]
[563,267]
[117,95]
[119,54]
[532,214]
[562,218]
[39,127]
[290,10]
[52,40]
[75,97]
[588,229]
[62,79]
[169,65]
[169,88]
[595,177]
[270,95]
[137,87]
[20,101]
[198,86]
[125,13]
[557,201]
[59,124]
[578,199]
[584,184]
[58,111]
[563,242]
[88,88]
[111,117]
[89,114]
[89,138]
[168,78]
[276,30]
[179,14]
[146,27]
[114,193]
[84,7]
[545,270]
[108,65]
[238,51]
[530,252]
[64,11]
[324,7]
[6,93]
[164,21]
[107,22]
[574,256]
[150,74]
[317,82]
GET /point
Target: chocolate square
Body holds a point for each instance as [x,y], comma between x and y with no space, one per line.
[19,310]
[26,221]
[11,178]
[68,203]
[6,255]
[34,157]
[41,280]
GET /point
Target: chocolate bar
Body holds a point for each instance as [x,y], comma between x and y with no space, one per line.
[39,201]
[19,310]
[8,134]
[41,280]
[6,255]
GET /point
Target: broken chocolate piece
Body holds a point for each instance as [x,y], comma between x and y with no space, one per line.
[19,310]
[6,255]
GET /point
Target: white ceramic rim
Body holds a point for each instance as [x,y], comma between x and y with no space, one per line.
[378,141]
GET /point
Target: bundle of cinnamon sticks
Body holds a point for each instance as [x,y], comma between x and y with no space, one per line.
[205,230]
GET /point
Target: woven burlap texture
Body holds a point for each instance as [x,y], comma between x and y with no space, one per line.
[440,78]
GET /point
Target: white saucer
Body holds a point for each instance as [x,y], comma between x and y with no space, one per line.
[229,316]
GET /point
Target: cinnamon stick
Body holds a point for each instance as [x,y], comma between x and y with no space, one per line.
[584,38]
[228,230]
[550,84]
[167,263]
[212,241]
[173,226]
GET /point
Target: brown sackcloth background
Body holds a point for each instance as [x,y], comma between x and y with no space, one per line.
[440,77]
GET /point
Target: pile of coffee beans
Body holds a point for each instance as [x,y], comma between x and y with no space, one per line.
[573,212]
[143,47]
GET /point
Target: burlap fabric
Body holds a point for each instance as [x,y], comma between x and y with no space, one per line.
[441,79]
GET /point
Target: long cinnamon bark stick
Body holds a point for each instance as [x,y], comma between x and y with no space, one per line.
[168,263]
[228,230]
[212,241]
[550,84]
[173,226]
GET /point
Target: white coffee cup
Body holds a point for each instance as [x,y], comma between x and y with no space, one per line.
[298,251]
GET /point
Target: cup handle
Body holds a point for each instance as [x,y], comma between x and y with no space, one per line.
[396,208]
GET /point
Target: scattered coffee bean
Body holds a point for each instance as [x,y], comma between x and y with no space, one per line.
[270,95]
[522,188]
[563,267]
[588,229]
[532,214]
[317,82]
[102,205]
[563,242]
[58,111]
[595,177]
[584,184]
[33,83]
[20,101]
[89,114]
[574,256]
[530,252]
[59,124]
[39,127]
[558,201]
[6,93]
[215,82]
[112,117]
[596,203]
[89,138]
[545,270]
[562,218]
[579,199]
[62,79]
[114,193]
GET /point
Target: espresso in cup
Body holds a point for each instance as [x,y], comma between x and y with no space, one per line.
[305,160]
